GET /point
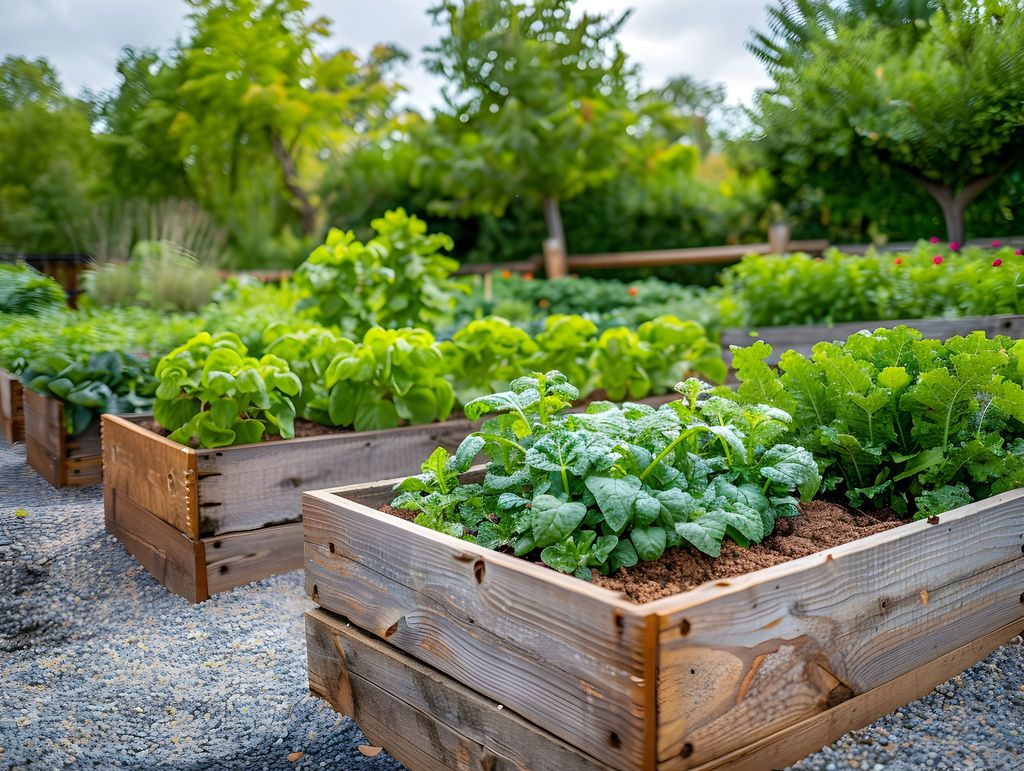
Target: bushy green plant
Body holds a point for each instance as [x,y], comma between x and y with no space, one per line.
[484,355]
[565,344]
[928,282]
[614,485]
[900,421]
[393,375]
[309,352]
[24,290]
[211,394]
[399,278]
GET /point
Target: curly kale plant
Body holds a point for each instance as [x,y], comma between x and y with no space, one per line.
[613,485]
[900,421]
[211,394]
[400,278]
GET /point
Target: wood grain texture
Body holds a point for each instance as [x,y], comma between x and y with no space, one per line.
[700,255]
[237,559]
[779,646]
[574,658]
[12,412]
[171,557]
[802,338]
[61,460]
[155,473]
[421,717]
[797,741]
[253,486]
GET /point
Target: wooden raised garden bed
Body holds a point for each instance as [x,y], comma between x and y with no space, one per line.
[802,338]
[205,521]
[60,459]
[458,656]
[12,414]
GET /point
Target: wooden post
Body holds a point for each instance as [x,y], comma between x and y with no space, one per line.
[778,237]
[555,262]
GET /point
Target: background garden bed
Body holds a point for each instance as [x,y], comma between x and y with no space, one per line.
[58,458]
[12,411]
[758,670]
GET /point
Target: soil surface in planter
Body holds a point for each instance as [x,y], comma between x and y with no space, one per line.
[821,526]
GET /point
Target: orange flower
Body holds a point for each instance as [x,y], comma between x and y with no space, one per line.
[898,260]
[633,291]
[528,276]
[506,274]
[543,302]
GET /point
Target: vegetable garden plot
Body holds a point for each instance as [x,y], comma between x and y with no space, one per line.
[60,459]
[751,672]
[12,413]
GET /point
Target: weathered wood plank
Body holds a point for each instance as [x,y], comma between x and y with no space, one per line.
[61,460]
[781,645]
[253,486]
[173,559]
[421,717]
[699,255]
[237,559]
[12,411]
[44,422]
[802,338]
[155,473]
[562,653]
[797,741]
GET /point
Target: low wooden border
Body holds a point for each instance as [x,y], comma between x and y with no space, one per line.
[60,459]
[802,338]
[753,672]
[178,509]
[12,413]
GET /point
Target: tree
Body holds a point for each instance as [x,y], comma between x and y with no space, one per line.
[48,157]
[941,101]
[537,104]
[260,106]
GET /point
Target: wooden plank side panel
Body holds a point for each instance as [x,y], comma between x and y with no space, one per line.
[173,559]
[799,740]
[803,338]
[237,559]
[782,645]
[253,486]
[44,422]
[574,658]
[12,411]
[421,717]
[155,473]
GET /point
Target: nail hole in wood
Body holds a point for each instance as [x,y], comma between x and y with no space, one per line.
[331,548]
[687,750]
[684,627]
[614,740]
[693,671]
[478,571]
[315,593]
[1022,549]
[216,544]
[223,568]
[1022,599]
[390,630]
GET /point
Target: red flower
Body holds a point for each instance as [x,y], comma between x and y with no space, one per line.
[934,239]
[996,244]
[996,262]
[633,291]
[528,276]
[937,259]
[1019,252]
[898,260]
[954,246]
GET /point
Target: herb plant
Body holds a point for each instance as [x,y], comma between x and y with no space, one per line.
[211,394]
[917,425]
[613,485]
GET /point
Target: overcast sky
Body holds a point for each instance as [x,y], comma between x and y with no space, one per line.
[82,38]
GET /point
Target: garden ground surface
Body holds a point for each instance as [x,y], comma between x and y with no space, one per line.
[102,667]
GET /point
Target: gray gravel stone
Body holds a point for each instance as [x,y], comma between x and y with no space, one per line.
[104,668]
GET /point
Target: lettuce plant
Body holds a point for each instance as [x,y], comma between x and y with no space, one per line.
[484,355]
[211,394]
[394,375]
[900,421]
[616,484]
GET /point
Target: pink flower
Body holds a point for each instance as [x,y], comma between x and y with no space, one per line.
[1019,252]
[953,246]
[996,262]
[937,259]
[996,244]
[934,239]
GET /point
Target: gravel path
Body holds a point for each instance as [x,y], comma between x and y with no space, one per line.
[103,668]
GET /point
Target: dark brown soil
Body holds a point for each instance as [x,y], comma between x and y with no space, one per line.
[302,428]
[821,526]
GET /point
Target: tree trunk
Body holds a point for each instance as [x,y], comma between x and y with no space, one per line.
[307,212]
[954,203]
[553,220]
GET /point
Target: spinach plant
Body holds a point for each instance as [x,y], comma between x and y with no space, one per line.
[613,485]
[211,394]
[900,421]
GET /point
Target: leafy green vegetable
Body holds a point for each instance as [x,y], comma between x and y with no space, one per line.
[900,421]
[26,291]
[616,484]
[393,375]
[211,394]
[484,355]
